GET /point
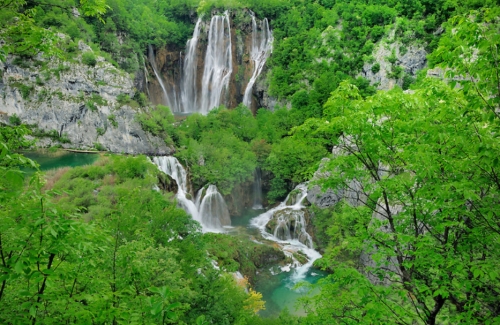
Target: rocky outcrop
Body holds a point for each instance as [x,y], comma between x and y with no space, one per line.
[240,198]
[391,62]
[76,105]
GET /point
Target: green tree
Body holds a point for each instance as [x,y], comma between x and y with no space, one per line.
[425,166]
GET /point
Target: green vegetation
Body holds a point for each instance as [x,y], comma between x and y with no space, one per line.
[25,90]
[14,120]
[158,121]
[89,59]
[97,244]
[112,120]
[52,134]
[94,101]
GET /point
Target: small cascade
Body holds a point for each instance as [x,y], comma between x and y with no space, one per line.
[213,209]
[172,167]
[286,225]
[218,63]
[262,42]
[209,207]
[152,62]
[257,189]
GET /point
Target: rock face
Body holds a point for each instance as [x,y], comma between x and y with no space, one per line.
[409,60]
[290,224]
[76,105]
[170,60]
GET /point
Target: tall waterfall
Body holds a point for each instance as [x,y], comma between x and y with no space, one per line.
[261,49]
[257,189]
[201,91]
[152,62]
[291,241]
[209,207]
[188,84]
[218,63]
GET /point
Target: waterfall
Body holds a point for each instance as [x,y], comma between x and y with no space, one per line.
[218,63]
[288,212]
[188,95]
[209,207]
[188,88]
[213,209]
[152,62]
[257,189]
[260,51]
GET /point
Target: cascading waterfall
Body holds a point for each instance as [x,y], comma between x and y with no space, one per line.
[257,189]
[261,49]
[300,240]
[218,63]
[213,209]
[188,95]
[188,89]
[210,209]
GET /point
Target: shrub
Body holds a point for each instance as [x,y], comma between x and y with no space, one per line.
[99,147]
[89,59]
[14,119]
[23,89]
[112,120]
[376,67]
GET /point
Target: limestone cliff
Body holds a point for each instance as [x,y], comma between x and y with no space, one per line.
[76,105]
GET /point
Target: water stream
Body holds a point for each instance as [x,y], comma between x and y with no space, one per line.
[208,207]
[152,62]
[257,189]
[262,44]
[218,63]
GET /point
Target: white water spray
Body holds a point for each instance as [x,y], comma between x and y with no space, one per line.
[262,44]
[209,208]
[218,64]
[299,239]
[152,62]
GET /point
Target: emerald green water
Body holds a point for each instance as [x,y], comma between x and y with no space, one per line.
[278,289]
[60,158]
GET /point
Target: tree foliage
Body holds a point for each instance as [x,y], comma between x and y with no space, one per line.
[426,225]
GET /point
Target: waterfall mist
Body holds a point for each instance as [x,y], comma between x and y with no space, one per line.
[218,63]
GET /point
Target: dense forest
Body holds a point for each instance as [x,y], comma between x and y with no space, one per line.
[98,245]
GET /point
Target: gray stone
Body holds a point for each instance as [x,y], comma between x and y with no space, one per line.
[60,103]
[412,61]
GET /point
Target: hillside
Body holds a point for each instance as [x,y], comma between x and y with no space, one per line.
[358,136]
